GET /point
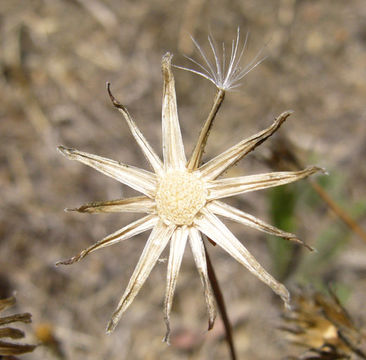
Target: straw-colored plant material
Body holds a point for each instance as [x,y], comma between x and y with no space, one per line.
[8,348]
[321,325]
[182,198]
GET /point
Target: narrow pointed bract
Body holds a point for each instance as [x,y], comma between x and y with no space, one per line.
[181,198]
[135,228]
[149,153]
[213,228]
[138,179]
[138,204]
[235,186]
[222,209]
[177,246]
[196,242]
[221,163]
[155,245]
[173,149]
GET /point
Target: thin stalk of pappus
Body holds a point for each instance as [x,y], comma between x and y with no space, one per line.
[347,220]
[193,164]
[198,151]
[220,303]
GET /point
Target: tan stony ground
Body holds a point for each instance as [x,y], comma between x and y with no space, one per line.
[55,58]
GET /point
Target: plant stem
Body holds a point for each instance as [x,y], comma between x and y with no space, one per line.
[192,165]
[221,305]
[339,211]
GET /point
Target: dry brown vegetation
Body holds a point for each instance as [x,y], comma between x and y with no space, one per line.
[55,58]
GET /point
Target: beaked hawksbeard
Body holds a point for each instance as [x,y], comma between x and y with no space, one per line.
[182,198]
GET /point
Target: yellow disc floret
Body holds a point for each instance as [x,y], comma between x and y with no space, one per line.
[180,197]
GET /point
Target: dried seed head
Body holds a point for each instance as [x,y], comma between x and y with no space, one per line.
[321,325]
[180,197]
[11,348]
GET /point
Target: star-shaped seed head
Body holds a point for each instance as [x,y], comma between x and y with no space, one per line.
[181,198]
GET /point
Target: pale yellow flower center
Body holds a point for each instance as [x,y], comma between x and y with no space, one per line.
[180,197]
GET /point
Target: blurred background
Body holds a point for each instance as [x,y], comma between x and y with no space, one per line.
[55,59]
